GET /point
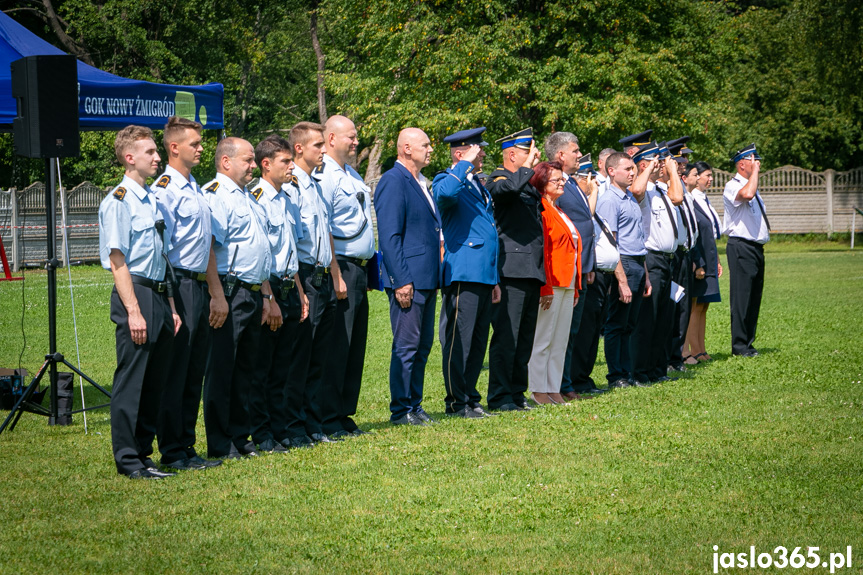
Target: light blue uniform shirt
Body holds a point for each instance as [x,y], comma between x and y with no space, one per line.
[236,227]
[186,211]
[314,245]
[271,206]
[127,222]
[623,215]
[351,227]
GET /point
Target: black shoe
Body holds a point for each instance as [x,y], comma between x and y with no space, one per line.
[149,473]
[636,383]
[408,419]
[340,435]
[594,391]
[508,407]
[663,379]
[423,416]
[478,409]
[235,453]
[303,442]
[207,463]
[750,353]
[676,367]
[183,465]
[526,406]
[322,438]
[271,446]
[466,413]
[357,432]
[619,384]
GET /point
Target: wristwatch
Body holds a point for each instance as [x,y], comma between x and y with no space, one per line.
[268,296]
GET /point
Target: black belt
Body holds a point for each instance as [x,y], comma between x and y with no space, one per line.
[360,262]
[247,285]
[683,249]
[310,268]
[197,276]
[745,241]
[278,282]
[639,259]
[158,287]
[666,255]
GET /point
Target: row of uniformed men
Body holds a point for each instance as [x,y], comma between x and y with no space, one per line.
[258,295]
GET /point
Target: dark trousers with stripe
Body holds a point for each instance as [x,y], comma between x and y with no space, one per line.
[464,325]
[746,266]
[649,340]
[226,387]
[514,323]
[577,313]
[270,377]
[141,369]
[585,344]
[309,395]
[181,395]
[622,319]
[682,274]
[348,352]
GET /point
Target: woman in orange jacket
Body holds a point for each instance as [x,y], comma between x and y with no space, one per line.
[562,246]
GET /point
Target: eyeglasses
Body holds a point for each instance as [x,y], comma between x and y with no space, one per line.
[555,181]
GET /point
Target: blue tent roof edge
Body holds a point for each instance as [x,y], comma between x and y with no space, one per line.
[107,101]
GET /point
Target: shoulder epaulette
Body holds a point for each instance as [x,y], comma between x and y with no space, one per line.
[212,187]
[320,169]
[256,193]
[294,182]
[164,181]
[120,193]
[499,178]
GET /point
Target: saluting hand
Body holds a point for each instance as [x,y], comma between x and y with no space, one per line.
[472,152]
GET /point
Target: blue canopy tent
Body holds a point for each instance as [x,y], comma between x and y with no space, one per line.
[106,101]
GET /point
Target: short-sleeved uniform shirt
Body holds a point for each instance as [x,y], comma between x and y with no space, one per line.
[272,208]
[187,213]
[623,215]
[349,201]
[743,219]
[237,229]
[127,222]
[314,246]
[659,225]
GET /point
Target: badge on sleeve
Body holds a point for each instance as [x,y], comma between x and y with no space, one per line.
[120,193]
[212,187]
[256,193]
[164,181]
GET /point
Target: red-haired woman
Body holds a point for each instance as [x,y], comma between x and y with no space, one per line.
[562,246]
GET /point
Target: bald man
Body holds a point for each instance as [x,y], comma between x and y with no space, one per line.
[350,202]
[243,258]
[409,236]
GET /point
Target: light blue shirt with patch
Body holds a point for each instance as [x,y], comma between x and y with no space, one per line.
[315,217]
[185,211]
[342,189]
[623,215]
[127,222]
[271,206]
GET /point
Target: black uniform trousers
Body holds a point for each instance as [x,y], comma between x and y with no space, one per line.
[682,274]
[577,313]
[585,343]
[514,323]
[233,355]
[270,375]
[650,337]
[746,265]
[138,379]
[181,394]
[310,397]
[464,324]
[622,319]
[347,354]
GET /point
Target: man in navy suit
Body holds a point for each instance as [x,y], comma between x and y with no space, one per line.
[410,237]
[470,274]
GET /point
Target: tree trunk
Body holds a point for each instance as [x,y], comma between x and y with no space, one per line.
[319,56]
[373,171]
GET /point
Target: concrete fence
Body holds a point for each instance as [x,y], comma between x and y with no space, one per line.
[797,201]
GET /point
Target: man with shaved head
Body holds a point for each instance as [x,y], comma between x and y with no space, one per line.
[243,258]
[350,202]
[409,235]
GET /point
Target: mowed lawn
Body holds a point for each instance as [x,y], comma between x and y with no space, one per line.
[765,452]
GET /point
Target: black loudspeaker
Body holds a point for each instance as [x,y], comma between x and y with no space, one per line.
[46,90]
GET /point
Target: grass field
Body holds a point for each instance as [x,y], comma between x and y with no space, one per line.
[739,452]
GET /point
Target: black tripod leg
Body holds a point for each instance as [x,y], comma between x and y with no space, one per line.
[18,409]
[86,378]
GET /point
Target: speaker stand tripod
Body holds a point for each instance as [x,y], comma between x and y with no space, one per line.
[53,358]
